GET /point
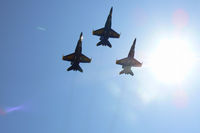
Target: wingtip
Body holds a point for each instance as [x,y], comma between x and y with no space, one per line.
[62,57]
[116,61]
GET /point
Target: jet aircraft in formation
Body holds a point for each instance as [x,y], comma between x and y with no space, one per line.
[129,61]
[106,32]
[77,57]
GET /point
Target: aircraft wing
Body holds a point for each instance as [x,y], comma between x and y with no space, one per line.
[84,59]
[69,57]
[122,61]
[98,32]
[128,61]
[114,34]
[136,63]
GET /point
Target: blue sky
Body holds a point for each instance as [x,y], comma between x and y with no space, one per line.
[35,34]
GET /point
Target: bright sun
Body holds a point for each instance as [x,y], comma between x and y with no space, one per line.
[172,60]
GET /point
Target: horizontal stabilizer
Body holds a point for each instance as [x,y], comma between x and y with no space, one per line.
[75,68]
[70,68]
[131,73]
[104,43]
[79,68]
[122,72]
[99,43]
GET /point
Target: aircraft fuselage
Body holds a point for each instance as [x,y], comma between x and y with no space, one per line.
[78,52]
[107,27]
[127,69]
[128,62]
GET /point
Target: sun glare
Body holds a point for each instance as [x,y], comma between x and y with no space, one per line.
[172,60]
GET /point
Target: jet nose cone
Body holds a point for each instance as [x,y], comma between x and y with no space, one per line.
[81,36]
[134,41]
[111,10]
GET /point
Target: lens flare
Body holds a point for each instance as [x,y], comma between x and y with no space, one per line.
[181,99]
[2,112]
[180,18]
[10,110]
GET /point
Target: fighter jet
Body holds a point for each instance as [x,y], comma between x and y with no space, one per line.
[77,57]
[129,61]
[106,32]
